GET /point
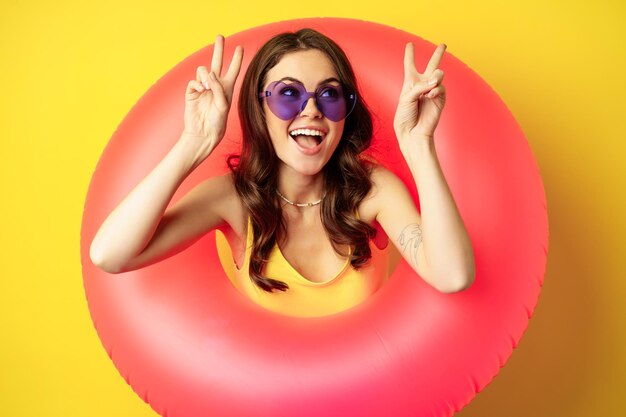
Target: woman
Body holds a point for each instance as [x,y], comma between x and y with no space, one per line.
[300,186]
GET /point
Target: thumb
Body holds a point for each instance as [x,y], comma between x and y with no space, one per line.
[420,88]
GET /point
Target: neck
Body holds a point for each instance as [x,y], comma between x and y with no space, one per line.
[300,188]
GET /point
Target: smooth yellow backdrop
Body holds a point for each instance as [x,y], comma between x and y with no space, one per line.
[71,70]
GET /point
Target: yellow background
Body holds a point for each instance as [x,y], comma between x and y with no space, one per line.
[70,71]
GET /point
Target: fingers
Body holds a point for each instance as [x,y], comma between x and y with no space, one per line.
[202,76]
[436,78]
[212,83]
[435,59]
[409,61]
[411,72]
[222,87]
[194,86]
[202,73]
[424,86]
[235,65]
[435,92]
[218,53]
[219,96]
[433,63]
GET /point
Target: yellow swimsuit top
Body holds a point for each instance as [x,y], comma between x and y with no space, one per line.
[305,298]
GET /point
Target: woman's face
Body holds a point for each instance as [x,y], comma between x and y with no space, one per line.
[303,153]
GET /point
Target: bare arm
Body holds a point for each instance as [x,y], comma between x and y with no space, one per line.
[446,247]
[137,232]
[434,243]
[132,224]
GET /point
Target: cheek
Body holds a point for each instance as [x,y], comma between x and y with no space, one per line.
[337,133]
[277,132]
[279,139]
[276,127]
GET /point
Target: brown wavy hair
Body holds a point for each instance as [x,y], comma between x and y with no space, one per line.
[346,175]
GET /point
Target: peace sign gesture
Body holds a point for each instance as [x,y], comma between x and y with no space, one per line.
[422,98]
[209,96]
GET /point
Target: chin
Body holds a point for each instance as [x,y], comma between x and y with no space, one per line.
[302,163]
[309,168]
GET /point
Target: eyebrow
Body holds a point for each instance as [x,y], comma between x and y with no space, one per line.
[295,80]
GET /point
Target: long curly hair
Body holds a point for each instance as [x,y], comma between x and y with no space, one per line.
[346,175]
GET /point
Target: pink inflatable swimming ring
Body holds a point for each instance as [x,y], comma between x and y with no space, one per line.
[190,345]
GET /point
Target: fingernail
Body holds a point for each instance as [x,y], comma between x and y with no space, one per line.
[206,85]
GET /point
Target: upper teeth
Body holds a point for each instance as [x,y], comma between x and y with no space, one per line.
[309,132]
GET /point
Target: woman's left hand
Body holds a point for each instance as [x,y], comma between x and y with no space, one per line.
[422,98]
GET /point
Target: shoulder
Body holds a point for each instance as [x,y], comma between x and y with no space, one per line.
[384,185]
[220,188]
[381,176]
[221,198]
[387,190]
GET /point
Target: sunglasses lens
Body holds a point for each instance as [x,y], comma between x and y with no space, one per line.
[286,101]
[332,102]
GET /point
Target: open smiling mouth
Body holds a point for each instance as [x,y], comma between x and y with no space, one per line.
[307,139]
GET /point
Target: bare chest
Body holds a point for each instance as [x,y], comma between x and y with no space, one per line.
[306,246]
[309,251]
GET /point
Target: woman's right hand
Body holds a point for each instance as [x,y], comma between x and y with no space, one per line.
[208,97]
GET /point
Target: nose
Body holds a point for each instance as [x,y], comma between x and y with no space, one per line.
[310,109]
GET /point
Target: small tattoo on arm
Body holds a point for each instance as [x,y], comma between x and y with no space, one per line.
[410,239]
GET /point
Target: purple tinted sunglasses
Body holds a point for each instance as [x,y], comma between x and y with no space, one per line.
[286,101]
